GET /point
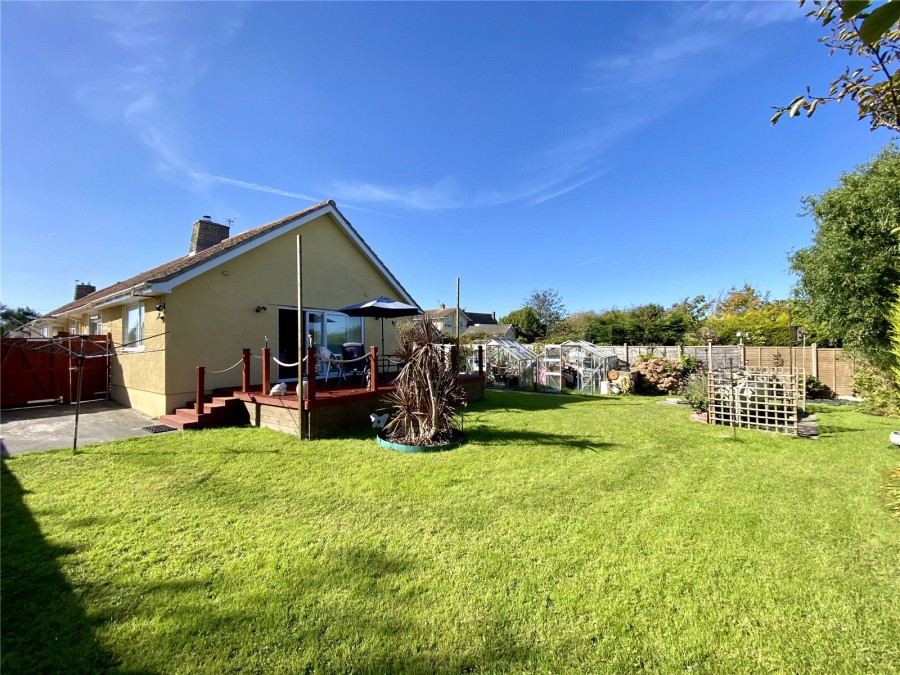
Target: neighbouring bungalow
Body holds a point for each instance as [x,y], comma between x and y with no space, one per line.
[444,319]
[230,293]
[470,323]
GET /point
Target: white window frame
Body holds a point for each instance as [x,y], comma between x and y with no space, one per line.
[133,343]
[95,320]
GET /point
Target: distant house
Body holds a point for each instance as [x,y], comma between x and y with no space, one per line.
[228,293]
[444,318]
[479,319]
[470,323]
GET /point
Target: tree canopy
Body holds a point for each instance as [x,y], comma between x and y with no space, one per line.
[848,277]
[526,322]
[10,318]
[870,40]
[549,307]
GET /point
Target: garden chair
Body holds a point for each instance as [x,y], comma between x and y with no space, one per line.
[353,353]
[330,364]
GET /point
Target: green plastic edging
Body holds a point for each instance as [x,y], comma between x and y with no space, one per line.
[419,448]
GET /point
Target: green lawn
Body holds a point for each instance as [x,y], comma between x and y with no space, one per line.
[569,535]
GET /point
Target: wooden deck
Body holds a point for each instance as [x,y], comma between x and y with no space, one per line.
[325,395]
[329,408]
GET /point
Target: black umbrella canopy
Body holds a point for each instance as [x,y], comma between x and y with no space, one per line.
[381,308]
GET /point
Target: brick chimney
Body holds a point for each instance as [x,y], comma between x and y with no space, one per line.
[206,233]
[82,290]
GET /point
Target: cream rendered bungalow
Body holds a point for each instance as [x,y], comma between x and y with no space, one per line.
[228,293]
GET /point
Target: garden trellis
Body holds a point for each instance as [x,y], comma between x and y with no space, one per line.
[762,399]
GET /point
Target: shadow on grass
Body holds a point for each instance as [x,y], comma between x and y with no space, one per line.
[511,401]
[44,626]
[505,437]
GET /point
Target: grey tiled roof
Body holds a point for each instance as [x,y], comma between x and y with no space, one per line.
[172,268]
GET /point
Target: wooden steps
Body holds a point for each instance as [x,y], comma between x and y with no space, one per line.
[218,411]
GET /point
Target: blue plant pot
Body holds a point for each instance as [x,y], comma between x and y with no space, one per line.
[420,448]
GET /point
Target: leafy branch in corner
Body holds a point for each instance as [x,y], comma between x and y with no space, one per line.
[861,34]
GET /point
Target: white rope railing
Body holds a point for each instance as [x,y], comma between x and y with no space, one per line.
[216,372]
[340,361]
[288,365]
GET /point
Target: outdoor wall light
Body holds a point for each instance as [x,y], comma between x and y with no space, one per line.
[260,308]
[161,307]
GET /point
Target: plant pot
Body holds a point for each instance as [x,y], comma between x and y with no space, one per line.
[895,437]
[459,440]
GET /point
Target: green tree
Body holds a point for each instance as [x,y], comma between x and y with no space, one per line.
[848,277]
[11,319]
[871,42]
[573,327]
[549,307]
[526,322]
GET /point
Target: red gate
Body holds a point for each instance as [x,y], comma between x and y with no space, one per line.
[45,370]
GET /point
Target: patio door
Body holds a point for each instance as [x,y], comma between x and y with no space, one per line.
[287,343]
[321,327]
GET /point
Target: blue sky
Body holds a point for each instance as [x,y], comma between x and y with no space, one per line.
[620,153]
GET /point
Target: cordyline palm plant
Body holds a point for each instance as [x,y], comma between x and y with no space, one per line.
[428,393]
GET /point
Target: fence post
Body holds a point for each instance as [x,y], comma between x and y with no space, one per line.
[815,359]
[454,358]
[481,362]
[373,368]
[627,360]
[709,357]
[201,387]
[310,373]
[265,370]
[245,370]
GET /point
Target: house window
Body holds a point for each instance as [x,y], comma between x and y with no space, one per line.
[133,333]
[95,326]
[73,327]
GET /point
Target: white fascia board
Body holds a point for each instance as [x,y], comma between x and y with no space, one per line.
[167,285]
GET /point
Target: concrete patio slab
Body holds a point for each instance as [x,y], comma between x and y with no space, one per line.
[51,427]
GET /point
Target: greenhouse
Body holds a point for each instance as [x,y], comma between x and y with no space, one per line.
[576,365]
[509,364]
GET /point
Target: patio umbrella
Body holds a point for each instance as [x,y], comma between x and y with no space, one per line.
[381,308]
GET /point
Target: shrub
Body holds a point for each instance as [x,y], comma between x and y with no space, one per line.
[690,363]
[817,389]
[427,395]
[881,393]
[696,392]
[656,375]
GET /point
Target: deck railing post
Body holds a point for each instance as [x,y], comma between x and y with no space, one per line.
[310,373]
[481,361]
[201,388]
[265,370]
[245,370]
[373,369]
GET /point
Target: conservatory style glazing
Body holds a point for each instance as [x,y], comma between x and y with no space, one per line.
[576,365]
[509,363]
